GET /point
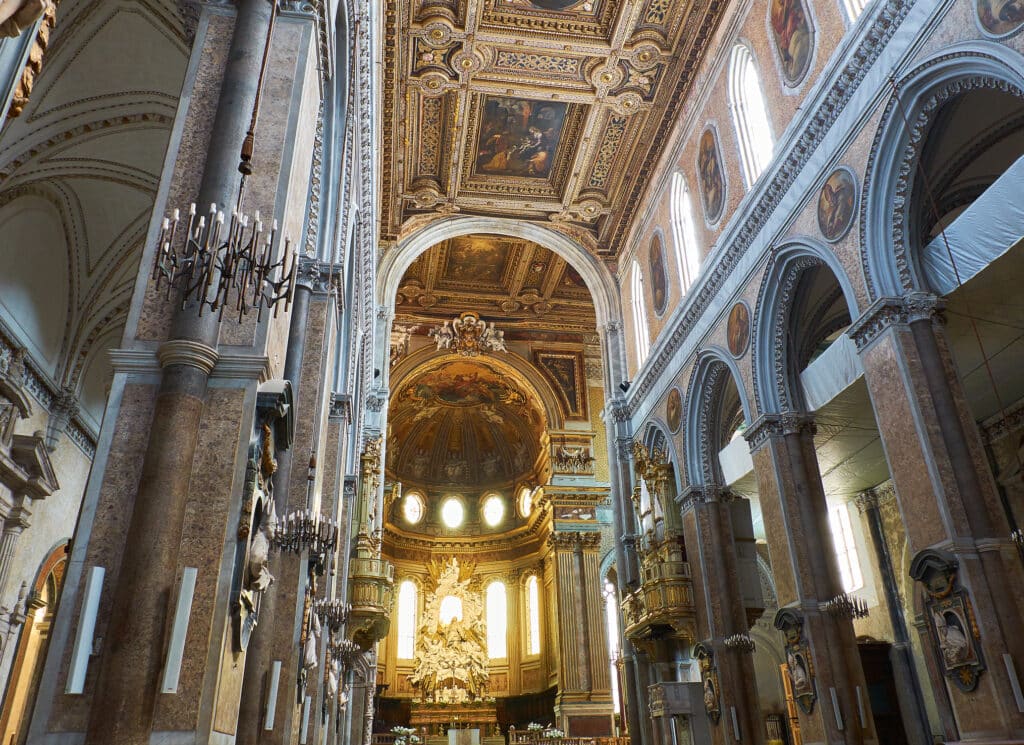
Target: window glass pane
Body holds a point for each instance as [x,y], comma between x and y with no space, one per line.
[497,620]
[641,332]
[533,609]
[846,548]
[750,114]
[407,612]
[525,501]
[452,513]
[611,611]
[413,508]
[684,233]
[494,510]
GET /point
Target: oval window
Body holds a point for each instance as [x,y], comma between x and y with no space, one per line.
[452,512]
[494,510]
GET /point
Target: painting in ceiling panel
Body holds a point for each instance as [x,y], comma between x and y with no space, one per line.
[517,284]
[518,137]
[548,110]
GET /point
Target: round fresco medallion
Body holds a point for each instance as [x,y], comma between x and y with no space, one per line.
[659,280]
[674,410]
[836,204]
[738,329]
[1000,17]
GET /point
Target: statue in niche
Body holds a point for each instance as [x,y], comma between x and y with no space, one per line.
[260,577]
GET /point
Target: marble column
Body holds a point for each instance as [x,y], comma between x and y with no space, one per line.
[908,685]
[707,526]
[806,573]
[949,501]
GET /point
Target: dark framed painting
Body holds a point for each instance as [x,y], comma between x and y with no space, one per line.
[837,202]
[518,136]
[794,38]
[737,329]
[565,370]
[674,410]
[659,276]
[711,175]
[1000,17]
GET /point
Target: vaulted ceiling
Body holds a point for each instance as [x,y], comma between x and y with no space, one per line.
[551,110]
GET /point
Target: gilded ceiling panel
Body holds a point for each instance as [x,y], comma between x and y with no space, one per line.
[548,110]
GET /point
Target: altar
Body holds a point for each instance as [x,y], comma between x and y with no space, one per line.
[479,720]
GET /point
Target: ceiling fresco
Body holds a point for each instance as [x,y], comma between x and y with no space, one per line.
[521,286]
[463,424]
[551,110]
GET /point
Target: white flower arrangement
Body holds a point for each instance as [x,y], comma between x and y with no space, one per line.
[553,733]
[405,736]
[534,727]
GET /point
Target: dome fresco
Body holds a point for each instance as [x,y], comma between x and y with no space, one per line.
[463,424]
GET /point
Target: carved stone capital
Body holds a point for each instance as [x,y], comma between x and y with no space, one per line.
[893,311]
[315,275]
[189,353]
[772,426]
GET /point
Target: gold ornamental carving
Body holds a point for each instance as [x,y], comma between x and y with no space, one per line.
[17,19]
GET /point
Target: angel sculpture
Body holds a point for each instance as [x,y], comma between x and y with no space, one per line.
[443,335]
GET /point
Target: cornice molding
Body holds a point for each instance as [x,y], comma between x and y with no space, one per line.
[892,311]
[773,185]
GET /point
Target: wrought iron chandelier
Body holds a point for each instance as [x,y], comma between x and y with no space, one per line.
[307,530]
[225,259]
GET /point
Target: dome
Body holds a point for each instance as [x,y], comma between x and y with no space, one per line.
[463,424]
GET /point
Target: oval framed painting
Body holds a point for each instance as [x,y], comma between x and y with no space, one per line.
[793,34]
[738,329]
[659,278]
[674,410]
[1000,18]
[837,203]
[711,175]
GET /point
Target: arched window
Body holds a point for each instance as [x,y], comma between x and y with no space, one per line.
[749,114]
[854,8]
[533,615]
[684,236]
[407,612]
[497,620]
[643,342]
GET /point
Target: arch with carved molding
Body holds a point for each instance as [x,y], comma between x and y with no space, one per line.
[709,381]
[885,220]
[775,384]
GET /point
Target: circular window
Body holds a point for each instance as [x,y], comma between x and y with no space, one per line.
[452,512]
[413,508]
[494,510]
[525,501]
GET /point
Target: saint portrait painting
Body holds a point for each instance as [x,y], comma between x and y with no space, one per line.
[659,280]
[674,410]
[1000,17]
[518,137]
[738,329]
[712,177]
[794,38]
[836,204]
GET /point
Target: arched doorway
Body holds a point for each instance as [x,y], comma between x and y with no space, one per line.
[40,608]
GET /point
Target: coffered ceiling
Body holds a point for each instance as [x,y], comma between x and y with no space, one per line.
[525,288]
[551,110]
